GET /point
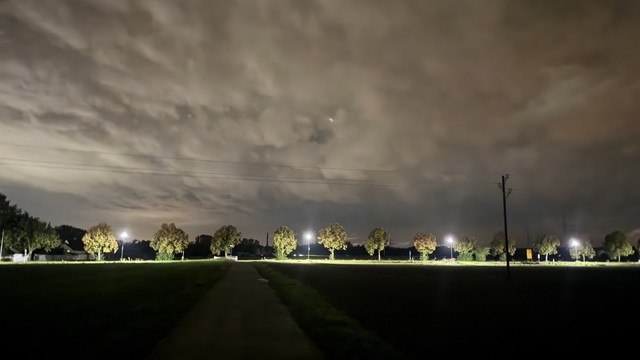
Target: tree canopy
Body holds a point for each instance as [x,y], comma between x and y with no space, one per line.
[8,213]
[71,235]
[617,245]
[586,251]
[29,234]
[497,244]
[169,240]
[378,239]
[284,241]
[333,237]
[546,245]
[425,244]
[249,247]
[225,239]
[100,240]
[480,253]
[465,246]
[24,233]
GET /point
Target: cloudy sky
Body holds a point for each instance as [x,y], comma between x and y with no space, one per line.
[400,114]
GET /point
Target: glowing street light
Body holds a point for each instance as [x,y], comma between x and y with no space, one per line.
[450,241]
[123,236]
[308,236]
[575,243]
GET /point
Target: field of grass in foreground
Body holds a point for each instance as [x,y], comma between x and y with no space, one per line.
[434,310]
[338,336]
[98,310]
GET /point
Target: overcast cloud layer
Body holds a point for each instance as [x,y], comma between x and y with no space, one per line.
[446,94]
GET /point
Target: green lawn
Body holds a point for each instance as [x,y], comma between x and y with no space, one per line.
[100,309]
[431,311]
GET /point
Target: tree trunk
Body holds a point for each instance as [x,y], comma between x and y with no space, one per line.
[583,259]
[99,254]
[378,254]
[619,258]
[331,257]
[546,257]
[183,255]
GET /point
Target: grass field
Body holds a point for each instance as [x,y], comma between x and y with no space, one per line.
[427,310]
[98,310]
[334,333]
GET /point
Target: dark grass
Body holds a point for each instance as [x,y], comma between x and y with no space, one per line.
[337,335]
[435,310]
[98,310]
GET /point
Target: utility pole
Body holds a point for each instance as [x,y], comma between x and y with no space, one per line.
[1,244]
[505,194]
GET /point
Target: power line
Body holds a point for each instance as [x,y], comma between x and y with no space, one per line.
[202,175]
[195,159]
[221,177]
[214,161]
[170,171]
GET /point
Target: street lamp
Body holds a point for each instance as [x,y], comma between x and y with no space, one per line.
[575,243]
[450,241]
[124,237]
[308,236]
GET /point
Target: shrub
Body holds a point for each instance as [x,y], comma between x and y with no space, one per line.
[280,255]
[481,254]
[164,257]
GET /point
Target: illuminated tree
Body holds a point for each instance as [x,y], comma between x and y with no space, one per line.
[100,240]
[480,253]
[586,251]
[425,244]
[333,237]
[28,234]
[465,247]
[284,241]
[546,245]
[497,245]
[617,245]
[24,233]
[169,240]
[225,239]
[378,239]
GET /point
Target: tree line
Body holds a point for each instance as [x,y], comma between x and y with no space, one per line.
[334,237]
[23,233]
[26,234]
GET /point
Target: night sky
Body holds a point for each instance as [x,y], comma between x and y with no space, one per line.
[400,114]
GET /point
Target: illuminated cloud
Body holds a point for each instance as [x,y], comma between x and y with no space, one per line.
[451,94]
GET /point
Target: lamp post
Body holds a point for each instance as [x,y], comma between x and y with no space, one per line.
[124,237]
[308,236]
[450,241]
[575,243]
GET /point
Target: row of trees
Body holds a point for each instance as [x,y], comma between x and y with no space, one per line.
[171,240]
[616,246]
[26,234]
[168,241]
[23,233]
[334,237]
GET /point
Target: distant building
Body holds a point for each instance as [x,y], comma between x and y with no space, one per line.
[68,255]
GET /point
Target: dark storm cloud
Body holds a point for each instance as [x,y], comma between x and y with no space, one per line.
[447,93]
